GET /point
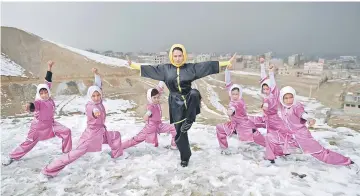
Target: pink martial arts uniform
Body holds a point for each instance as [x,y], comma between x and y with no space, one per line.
[295,118]
[154,124]
[94,136]
[276,135]
[43,126]
[239,120]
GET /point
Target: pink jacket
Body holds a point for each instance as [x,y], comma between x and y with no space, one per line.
[240,119]
[273,121]
[294,118]
[154,109]
[44,109]
[96,128]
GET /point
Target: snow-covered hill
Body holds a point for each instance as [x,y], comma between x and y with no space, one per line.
[10,68]
[150,171]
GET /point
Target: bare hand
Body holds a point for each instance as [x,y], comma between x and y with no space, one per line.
[94,70]
[128,60]
[97,113]
[232,61]
[264,107]
[271,67]
[50,64]
[27,107]
[262,60]
[230,112]
[311,122]
[146,117]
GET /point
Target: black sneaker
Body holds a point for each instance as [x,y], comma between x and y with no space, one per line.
[184,163]
[185,126]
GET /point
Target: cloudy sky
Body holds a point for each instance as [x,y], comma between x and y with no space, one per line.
[283,27]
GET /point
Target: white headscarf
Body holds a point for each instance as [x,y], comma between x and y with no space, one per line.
[236,86]
[284,91]
[265,81]
[40,86]
[91,90]
[148,95]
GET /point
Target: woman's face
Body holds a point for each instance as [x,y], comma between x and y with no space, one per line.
[178,56]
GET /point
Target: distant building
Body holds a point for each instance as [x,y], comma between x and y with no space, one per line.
[294,60]
[277,62]
[321,61]
[202,58]
[313,68]
[268,56]
[298,73]
[283,70]
[352,103]
[190,58]
[160,58]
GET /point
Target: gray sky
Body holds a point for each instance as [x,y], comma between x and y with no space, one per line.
[201,27]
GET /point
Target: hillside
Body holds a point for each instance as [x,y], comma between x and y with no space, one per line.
[26,54]
[244,172]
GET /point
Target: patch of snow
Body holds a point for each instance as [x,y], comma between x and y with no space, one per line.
[95,57]
[10,68]
[82,87]
[245,73]
[214,98]
[156,171]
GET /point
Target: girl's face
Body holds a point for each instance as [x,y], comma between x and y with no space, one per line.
[288,99]
[265,89]
[235,94]
[96,97]
[156,99]
[44,94]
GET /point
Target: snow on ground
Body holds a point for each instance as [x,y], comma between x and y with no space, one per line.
[10,68]
[245,73]
[95,57]
[214,98]
[156,171]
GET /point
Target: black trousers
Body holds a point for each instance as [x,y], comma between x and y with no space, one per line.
[193,108]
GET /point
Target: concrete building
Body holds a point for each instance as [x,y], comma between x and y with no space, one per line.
[352,103]
[313,68]
[160,58]
[202,58]
[268,56]
[294,60]
[191,58]
[277,62]
[283,70]
[154,59]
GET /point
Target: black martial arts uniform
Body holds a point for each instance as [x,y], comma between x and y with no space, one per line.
[184,102]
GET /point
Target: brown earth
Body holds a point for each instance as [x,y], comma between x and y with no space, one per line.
[32,53]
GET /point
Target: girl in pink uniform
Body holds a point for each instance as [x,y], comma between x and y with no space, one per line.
[154,125]
[239,120]
[277,132]
[294,116]
[43,127]
[94,135]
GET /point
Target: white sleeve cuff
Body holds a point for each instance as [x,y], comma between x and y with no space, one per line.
[266,105]
[262,72]
[148,113]
[305,116]
[98,81]
[161,84]
[95,110]
[227,77]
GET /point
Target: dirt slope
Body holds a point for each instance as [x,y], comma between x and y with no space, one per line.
[73,71]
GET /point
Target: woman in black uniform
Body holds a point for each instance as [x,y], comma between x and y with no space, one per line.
[184,102]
